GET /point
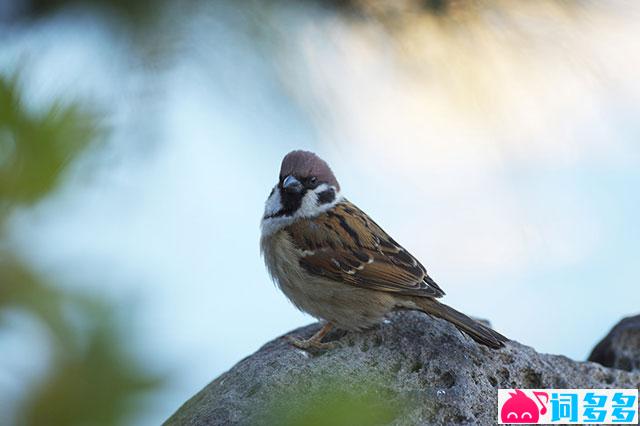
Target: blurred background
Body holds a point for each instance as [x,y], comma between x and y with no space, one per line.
[498,141]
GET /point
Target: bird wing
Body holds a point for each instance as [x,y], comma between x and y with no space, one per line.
[344,244]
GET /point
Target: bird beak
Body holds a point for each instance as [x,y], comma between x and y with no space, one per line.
[291,184]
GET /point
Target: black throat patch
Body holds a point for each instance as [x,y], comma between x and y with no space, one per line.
[291,201]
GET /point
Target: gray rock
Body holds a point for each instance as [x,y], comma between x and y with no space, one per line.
[621,347]
[412,369]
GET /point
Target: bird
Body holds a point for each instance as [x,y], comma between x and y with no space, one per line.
[335,263]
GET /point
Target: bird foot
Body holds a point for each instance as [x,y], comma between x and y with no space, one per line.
[310,344]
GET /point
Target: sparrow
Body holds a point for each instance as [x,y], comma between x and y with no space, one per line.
[336,264]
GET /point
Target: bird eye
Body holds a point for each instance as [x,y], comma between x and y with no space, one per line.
[313,180]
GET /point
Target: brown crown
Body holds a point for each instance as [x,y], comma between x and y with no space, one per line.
[304,164]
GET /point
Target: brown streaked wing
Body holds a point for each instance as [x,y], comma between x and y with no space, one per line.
[344,244]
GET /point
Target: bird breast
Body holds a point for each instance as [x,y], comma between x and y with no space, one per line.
[346,306]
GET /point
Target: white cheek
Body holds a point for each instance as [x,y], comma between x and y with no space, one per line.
[270,225]
[273,204]
[309,205]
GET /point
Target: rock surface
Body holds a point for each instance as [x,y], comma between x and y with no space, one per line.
[621,347]
[426,370]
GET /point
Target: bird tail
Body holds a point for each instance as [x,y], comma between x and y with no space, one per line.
[478,332]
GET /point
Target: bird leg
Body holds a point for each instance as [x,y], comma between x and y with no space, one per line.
[315,341]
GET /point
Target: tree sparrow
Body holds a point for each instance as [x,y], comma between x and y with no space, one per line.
[335,263]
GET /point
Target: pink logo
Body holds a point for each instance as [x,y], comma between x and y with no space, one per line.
[519,408]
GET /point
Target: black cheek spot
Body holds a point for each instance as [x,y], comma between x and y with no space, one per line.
[326,197]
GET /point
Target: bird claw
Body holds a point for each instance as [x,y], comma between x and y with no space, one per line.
[311,344]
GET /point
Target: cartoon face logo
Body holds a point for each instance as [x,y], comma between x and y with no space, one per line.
[519,408]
